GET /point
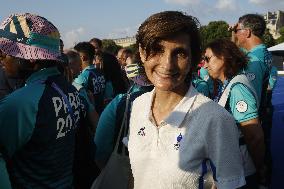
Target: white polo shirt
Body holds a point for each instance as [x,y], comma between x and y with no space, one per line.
[198,136]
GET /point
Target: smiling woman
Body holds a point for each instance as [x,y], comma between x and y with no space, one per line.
[180,126]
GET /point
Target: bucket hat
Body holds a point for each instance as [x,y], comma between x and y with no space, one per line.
[30,36]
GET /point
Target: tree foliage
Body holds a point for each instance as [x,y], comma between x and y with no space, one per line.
[214,30]
[110,46]
[133,48]
[268,39]
[281,38]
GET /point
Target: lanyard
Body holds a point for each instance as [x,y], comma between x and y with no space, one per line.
[221,89]
[56,87]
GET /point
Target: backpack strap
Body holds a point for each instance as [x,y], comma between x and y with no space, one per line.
[237,79]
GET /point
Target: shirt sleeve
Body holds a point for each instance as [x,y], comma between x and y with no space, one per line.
[86,101]
[17,117]
[224,155]
[202,87]
[104,138]
[255,72]
[17,121]
[82,79]
[242,103]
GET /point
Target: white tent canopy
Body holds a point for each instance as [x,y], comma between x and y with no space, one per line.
[277,49]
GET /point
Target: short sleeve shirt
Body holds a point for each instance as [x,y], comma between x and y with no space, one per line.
[97,83]
[177,154]
[242,103]
[260,60]
[201,86]
[205,76]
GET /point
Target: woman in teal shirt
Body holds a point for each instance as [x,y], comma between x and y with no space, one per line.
[224,61]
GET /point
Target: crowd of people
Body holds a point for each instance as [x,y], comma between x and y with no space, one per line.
[195,118]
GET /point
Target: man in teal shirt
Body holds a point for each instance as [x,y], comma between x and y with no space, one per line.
[247,34]
[90,79]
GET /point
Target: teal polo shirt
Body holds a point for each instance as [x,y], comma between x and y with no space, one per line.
[205,76]
[200,85]
[258,68]
[242,103]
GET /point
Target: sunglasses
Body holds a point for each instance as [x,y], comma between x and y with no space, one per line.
[206,58]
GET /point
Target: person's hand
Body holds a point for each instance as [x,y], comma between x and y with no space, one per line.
[232,29]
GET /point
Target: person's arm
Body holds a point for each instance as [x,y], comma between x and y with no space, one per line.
[244,109]
[104,138]
[232,30]
[92,115]
[17,122]
[254,138]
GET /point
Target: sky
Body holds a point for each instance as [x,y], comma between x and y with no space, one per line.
[81,20]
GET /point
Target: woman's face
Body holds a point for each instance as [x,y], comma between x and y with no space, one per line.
[168,67]
[214,65]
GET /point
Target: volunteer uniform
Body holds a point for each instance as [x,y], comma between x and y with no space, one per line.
[196,137]
[92,80]
[205,76]
[258,68]
[200,85]
[37,132]
[242,104]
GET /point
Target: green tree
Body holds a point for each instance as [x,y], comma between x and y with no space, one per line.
[110,46]
[214,30]
[133,48]
[281,38]
[268,39]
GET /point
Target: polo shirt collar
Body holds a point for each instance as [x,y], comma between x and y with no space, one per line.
[42,74]
[90,67]
[257,47]
[179,113]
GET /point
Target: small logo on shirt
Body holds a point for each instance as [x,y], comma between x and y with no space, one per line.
[141,132]
[242,106]
[250,76]
[177,145]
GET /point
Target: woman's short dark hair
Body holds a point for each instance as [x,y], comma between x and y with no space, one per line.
[234,59]
[168,24]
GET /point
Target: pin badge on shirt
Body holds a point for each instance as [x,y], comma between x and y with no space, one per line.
[177,145]
[250,76]
[141,132]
